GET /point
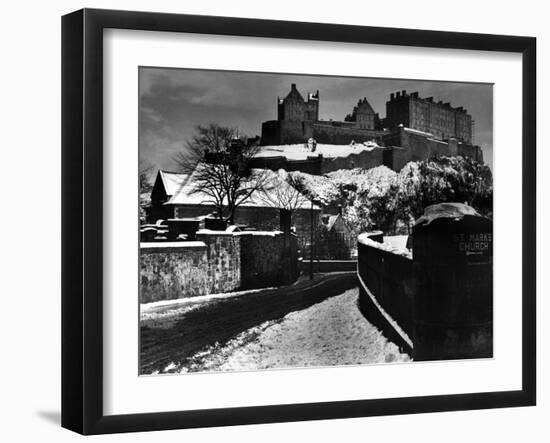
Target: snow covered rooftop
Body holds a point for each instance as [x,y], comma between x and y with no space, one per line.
[301,152]
[172,181]
[275,187]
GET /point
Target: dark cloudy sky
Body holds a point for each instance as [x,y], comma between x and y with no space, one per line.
[173,101]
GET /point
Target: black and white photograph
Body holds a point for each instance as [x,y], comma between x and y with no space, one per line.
[294,221]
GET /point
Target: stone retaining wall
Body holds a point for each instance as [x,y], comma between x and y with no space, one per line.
[217,262]
[168,270]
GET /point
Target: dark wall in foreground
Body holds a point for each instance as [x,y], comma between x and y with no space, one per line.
[437,305]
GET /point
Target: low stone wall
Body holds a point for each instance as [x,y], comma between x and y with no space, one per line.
[261,259]
[390,277]
[386,290]
[264,219]
[173,270]
[223,252]
[217,262]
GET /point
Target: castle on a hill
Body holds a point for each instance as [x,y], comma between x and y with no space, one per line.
[414,129]
[298,120]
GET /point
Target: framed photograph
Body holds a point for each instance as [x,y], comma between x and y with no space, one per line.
[269,221]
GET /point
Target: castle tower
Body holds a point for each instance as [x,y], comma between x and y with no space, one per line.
[294,108]
[312,107]
[294,105]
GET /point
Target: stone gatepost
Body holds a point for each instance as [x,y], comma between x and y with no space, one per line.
[453,261]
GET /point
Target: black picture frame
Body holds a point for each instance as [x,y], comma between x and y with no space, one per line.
[82,217]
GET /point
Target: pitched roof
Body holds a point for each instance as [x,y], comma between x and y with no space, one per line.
[294,94]
[331,220]
[172,181]
[364,104]
[275,187]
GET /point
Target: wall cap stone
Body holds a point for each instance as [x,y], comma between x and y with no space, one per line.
[365,240]
[212,232]
[258,233]
[157,246]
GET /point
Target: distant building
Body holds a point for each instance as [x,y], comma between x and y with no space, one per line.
[363,116]
[338,240]
[294,108]
[298,120]
[175,196]
[424,114]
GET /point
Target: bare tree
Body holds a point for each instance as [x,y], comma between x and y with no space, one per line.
[218,163]
[145,188]
[281,190]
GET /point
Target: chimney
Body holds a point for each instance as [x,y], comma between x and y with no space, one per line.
[397,94]
[392,96]
[340,210]
[293,87]
[403,92]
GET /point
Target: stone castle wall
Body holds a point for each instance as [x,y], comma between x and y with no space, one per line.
[342,135]
[398,147]
[409,145]
[286,132]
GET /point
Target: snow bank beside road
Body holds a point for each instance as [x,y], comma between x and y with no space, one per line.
[330,333]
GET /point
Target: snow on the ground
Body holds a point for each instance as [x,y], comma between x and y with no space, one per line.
[164,313]
[301,152]
[330,333]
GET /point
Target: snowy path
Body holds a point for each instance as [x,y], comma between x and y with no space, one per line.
[329,333]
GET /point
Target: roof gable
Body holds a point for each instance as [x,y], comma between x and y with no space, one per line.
[364,106]
[172,181]
[294,94]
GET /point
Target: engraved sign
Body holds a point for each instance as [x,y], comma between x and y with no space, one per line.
[475,243]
